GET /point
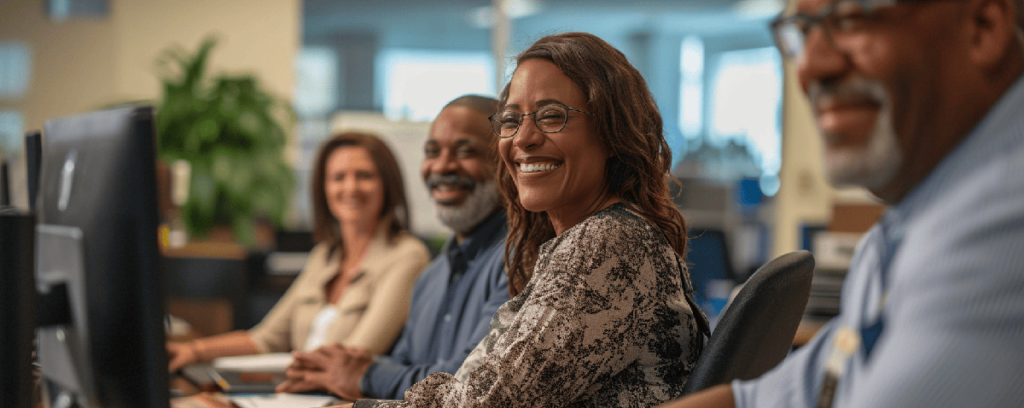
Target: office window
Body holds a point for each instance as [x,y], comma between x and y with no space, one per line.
[317,82]
[416,84]
[60,10]
[745,109]
[739,134]
[691,90]
[318,76]
[15,68]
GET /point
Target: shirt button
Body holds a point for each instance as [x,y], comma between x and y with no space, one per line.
[447,318]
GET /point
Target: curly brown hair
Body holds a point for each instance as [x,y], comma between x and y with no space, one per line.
[394,212]
[628,123]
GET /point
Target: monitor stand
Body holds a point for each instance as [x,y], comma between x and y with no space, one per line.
[63,335]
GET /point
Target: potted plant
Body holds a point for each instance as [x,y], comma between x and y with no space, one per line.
[226,127]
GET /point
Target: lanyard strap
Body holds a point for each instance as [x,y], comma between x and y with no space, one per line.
[846,341]
[892,236]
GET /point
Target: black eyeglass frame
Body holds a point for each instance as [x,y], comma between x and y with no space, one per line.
[806,22]
[533,118]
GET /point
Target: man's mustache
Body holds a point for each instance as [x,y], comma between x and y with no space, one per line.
[852,90]
[464,182]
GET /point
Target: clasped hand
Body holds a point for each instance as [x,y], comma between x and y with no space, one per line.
[333,368]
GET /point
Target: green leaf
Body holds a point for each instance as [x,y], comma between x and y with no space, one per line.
[228,127]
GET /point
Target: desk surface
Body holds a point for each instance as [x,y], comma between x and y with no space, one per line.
[202,400]
[809,327]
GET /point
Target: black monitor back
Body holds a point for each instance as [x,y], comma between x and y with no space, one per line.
[33,158]
[97,242]
[5,188]
[17,307]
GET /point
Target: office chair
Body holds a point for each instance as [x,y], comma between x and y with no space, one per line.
[756,330]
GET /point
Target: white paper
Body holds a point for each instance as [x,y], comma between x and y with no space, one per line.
[261,363]
[282,401]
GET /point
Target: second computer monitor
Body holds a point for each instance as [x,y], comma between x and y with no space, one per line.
[101,301]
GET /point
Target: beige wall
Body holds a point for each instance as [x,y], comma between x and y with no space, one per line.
[82,64]
[72,63]
[255,36]
[804,195]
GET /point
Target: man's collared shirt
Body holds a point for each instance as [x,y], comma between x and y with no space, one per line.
[452,306]
[952,301]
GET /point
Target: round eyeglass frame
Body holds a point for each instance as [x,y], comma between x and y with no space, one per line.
[495,124]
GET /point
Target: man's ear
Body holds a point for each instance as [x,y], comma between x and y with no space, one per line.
[992,30]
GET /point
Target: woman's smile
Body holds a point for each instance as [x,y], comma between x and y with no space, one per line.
[559,171]
[538,167]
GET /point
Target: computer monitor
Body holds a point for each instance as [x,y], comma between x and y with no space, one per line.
[5,185]
[33,156]
[710,269]
[101,336]
[17,306]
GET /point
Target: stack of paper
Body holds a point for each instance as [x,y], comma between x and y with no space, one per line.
[283,401]
[263,363]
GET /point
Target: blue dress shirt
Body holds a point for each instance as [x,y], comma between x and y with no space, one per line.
[452,306]
[952,300]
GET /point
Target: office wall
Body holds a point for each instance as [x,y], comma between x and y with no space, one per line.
[255,36]
[805,195]
[72,62]
[84,63]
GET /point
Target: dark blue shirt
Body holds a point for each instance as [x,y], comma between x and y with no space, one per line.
[452,306]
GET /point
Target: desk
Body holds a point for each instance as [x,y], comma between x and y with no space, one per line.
[809,327]
[216,399]
[202,400]
[217,292]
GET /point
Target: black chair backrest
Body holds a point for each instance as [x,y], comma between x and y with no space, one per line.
[756,330]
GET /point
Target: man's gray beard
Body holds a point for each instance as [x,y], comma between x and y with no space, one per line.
[480,203]
[873,166]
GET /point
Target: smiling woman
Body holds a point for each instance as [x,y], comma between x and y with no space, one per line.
[357,283]
[353,187]
[603,313]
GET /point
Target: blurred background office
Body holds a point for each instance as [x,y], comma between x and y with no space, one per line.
[743,141]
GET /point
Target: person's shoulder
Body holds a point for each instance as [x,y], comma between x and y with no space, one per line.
[614,232]
[984,194]
[317,263]
[320,254]
[321,249]
[972,225]
[407,246]
[612,226]
[491,262]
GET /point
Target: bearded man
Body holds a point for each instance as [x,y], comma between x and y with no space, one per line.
[456,296]
[922,103]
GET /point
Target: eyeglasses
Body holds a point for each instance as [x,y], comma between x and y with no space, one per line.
[549,119]
[837,19]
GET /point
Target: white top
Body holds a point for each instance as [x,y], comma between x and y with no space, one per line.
[321,327]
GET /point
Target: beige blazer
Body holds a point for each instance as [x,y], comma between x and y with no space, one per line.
[371,311]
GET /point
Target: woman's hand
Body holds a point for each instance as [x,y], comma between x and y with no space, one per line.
[334,368]
[180,355]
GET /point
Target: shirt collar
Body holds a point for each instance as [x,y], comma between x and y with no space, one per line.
[492,229]
[979,146]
